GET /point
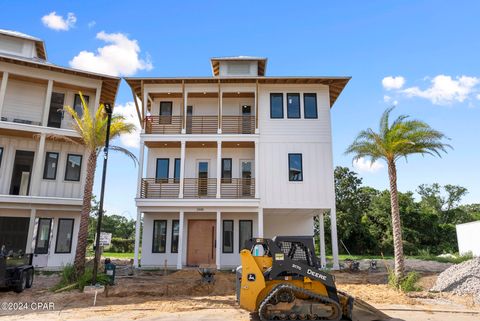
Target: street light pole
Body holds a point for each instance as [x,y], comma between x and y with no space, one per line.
[108,110]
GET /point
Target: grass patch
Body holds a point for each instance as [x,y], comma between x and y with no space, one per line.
[114,255]
[406,284]
[69,277]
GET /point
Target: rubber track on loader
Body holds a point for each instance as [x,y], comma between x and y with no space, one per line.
[320,298]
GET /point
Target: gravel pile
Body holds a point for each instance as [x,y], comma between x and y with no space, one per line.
[463,278]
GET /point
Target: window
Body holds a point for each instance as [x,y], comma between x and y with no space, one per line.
[165,112]
[77,104]
[64,235]
[276,105]
[43,235]
[176,170]
[1,156]
[50,169]
[295,172]
[162,169]
[55,113]
[175,233]
[159,236]
[310,105]
[226,170]
[74,166]
[246,232]
[227,236]
[293,105]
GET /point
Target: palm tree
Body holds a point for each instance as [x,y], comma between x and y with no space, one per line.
[401,138]
[92,131]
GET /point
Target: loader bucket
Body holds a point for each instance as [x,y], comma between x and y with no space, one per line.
[362,311]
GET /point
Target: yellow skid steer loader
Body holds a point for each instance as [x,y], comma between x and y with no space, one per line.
[281,279]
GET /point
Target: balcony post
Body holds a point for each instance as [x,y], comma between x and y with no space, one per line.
[138,224]
[220,108]
[333,229]
[185,103]
[256,163]
[31,226]
[181,217]
[46,106]
[182,169]
[256,107]
[219,168]
[140,168]
[218,242]
[260,222]
[321,231]
[37,167]
[3,90]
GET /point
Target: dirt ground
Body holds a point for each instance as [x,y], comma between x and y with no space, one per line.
[182,296]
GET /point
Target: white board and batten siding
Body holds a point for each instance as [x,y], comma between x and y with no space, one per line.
[468,236]
[20,105]
[310,137]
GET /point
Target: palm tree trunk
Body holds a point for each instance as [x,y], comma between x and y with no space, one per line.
[86,207]
[396,223]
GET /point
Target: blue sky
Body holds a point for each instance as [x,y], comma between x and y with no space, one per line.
[426,53]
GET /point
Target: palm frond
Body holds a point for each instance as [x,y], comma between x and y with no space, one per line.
[126,152]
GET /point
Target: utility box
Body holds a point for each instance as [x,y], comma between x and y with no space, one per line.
[110,271]
[468,236]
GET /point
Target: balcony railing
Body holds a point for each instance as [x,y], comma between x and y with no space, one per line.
[238,124]
[200,188]
[160,188]
[237,188]
[163,124]
[201,124]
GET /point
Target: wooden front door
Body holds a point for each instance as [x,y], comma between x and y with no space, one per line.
[201,242]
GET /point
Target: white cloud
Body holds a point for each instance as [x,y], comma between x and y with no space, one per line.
[391,82]
[387,98]
[128,111]
[478,96]
[92,24]
[57,22]
[365,165]
[445,90]
[119,57]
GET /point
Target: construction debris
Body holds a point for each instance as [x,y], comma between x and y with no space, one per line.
[461,279]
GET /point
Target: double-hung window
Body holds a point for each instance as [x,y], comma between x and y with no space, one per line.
[310,106]
[50,168]
[295,170]
[276,105]
[159,236]
[293,105]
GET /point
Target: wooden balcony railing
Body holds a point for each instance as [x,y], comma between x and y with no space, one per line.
[201,125]
[238,124]
[160,188]
[163,124]
[237,188]
[200,188]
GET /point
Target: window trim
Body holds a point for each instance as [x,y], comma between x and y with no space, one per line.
[223,234]
[224,180]
[175,179]
[171,238]
[240,232]
[153,237]
[71,240]
[304,106]
[38,234]
[80,170]
[271,106]
[1,155]
[301,167]
[45,166]
[299,107]
[156,168]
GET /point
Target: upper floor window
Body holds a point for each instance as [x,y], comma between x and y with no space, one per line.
[159,236]
[293,105]
[73,169]
[295,171]
[1,156]
[226,170]
[276,105]
[176,170]
[64,235]
[310,105]
[162,168]
[77,104]
[55,113]
[165,112]
[50,169]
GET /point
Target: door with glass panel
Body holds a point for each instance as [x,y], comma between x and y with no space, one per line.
[189,119]
[165,112]
[246,119]
[202,178]
[42,242]
[246,169]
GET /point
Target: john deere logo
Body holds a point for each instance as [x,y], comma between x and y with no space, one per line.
[251,277]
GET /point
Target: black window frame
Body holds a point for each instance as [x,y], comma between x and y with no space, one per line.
[40,219]
[175,171]
[153,236]
[314,95]
[271,106]
[46,164]
[1,155]
[71,233]
[232,237]
[178,236]
[79,171]
[301,167]
[227,179]
[87,101]
[299,107]
[240,245]
[162,179]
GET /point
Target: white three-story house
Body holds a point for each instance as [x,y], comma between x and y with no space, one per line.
[230,157]
[42,177]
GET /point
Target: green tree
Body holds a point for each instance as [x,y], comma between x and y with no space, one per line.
[401,138]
